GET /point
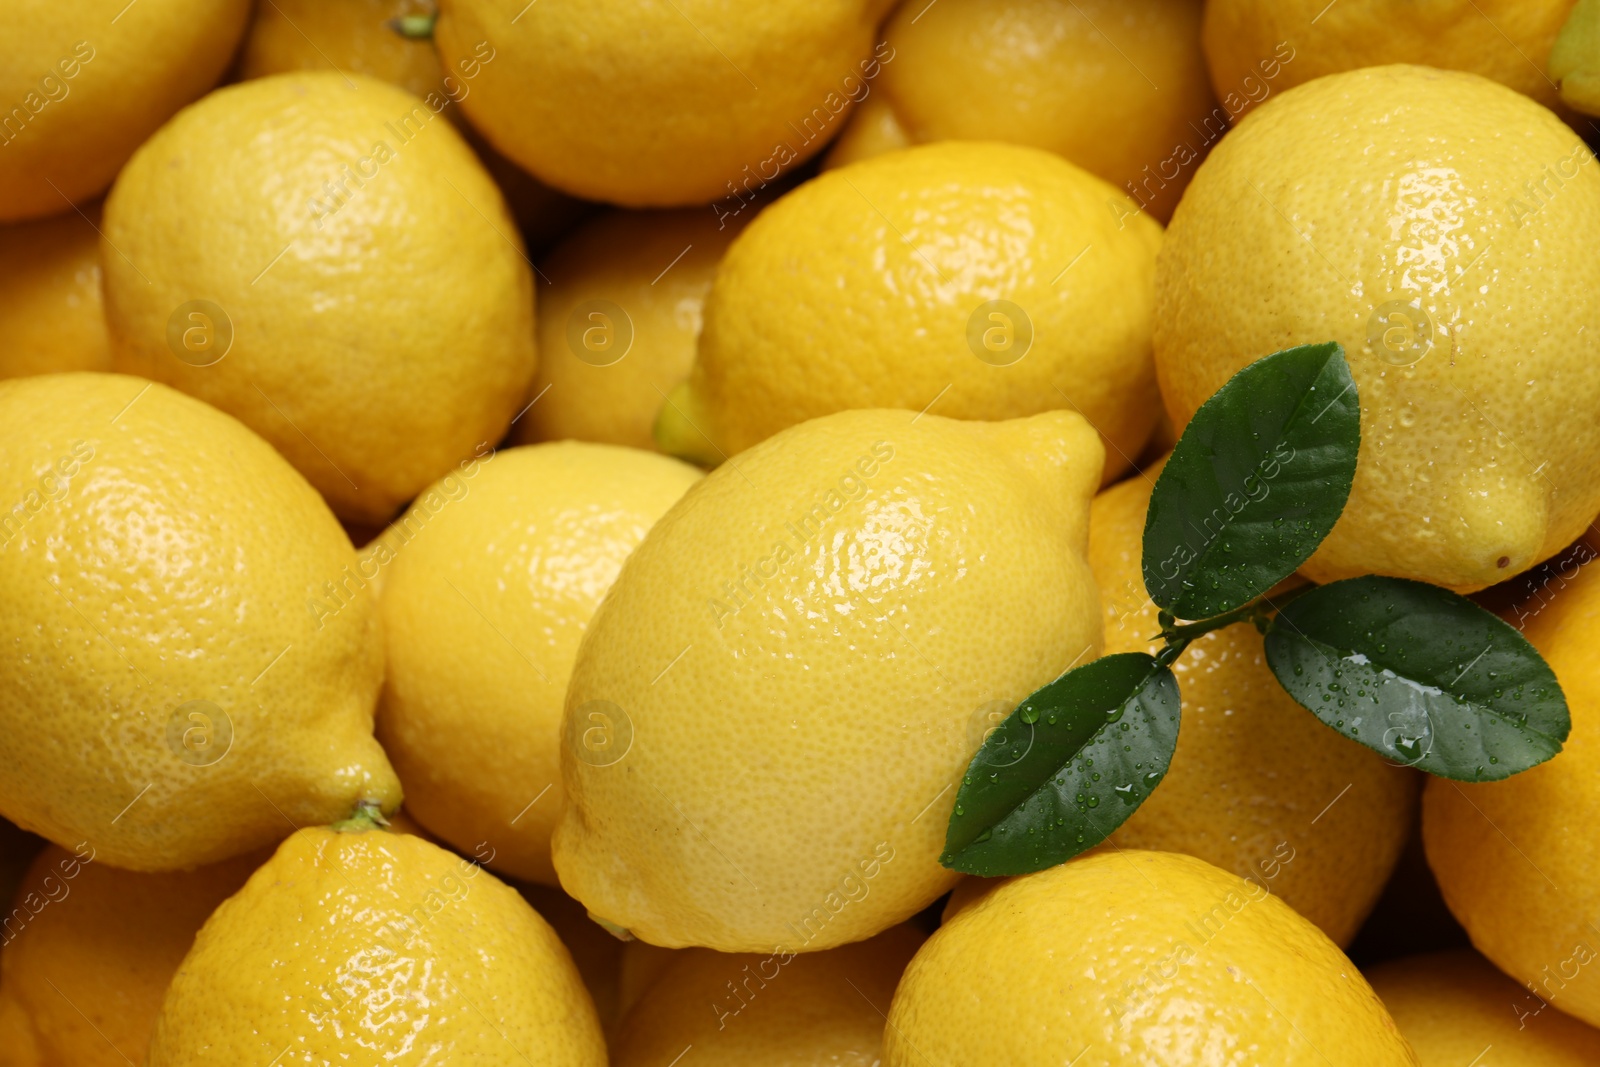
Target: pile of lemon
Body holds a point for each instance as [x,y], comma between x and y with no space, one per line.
[515,516]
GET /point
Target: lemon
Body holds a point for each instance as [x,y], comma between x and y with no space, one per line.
[661,105]
[1117,87]
[84,85]
[89,951]
[322,257]
[773,706]
[1257,47]
[166,695]
[490,580]
[1453,1007]
[596,952]
[369,946]
[1437,225]
[51,314]
[1258,786]
[975,281]
[1510,860]
[618,322]
[769,1007]
[1135,957]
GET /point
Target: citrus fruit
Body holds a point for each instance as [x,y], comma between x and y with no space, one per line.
[320,256]
[166,695]
[661,105]
[1257,786]
[595,951]
[490,580]
[1119,88]
[1435,224]
[51,314]
[1135,957]
[1453,1007]
[1511,862]
[89,951]
[769,1007]
[371,946]
[974,281]
[772,708]
[84,85]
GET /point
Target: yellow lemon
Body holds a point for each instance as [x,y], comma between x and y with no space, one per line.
[324,258]
[51,314]
[975,281]
[1116,86]
[369,946]
[1455,1009]
[1255,47]
[1512,859]
[773,706]
[618,322]
[1439,226]
[491,578]
[89,951]
[165,695]
[661,105]
[1258,786]
[769,1008]
[596,952]
[1135,957]
[84,85]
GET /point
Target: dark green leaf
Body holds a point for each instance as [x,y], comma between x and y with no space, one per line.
[1422,675]
[1255,483]
[1066,769]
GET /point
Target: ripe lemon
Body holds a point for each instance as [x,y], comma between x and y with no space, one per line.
[1117,87]
[89,950]
[769,1007]
[491,578]
[51,314]
[1256,47]
[661,105]
[596,952]
[1512,862]
[1398,211]
[84,85]
[323,257]
[1135,957]
[618,323]
[369,946]
[975,281]
[1453,1007]
[772,707]
[1258,786]
[166,695]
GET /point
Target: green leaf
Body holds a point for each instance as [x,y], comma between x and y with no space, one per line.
[1257,480]
[1066,768]
[1420,674]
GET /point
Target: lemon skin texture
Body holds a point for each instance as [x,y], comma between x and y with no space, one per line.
[156,554]
[661,104]
[1393,210]
[1504,40]
[52,317]
[1258,786]
[867,287]
[1512,860]
[602,375]
[380,308]
[1452,1006]
[771,708]
[426,958]
[1112,86]
[484,602]
[88,966]
[770,1008]
[1135,957]
[84,86]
